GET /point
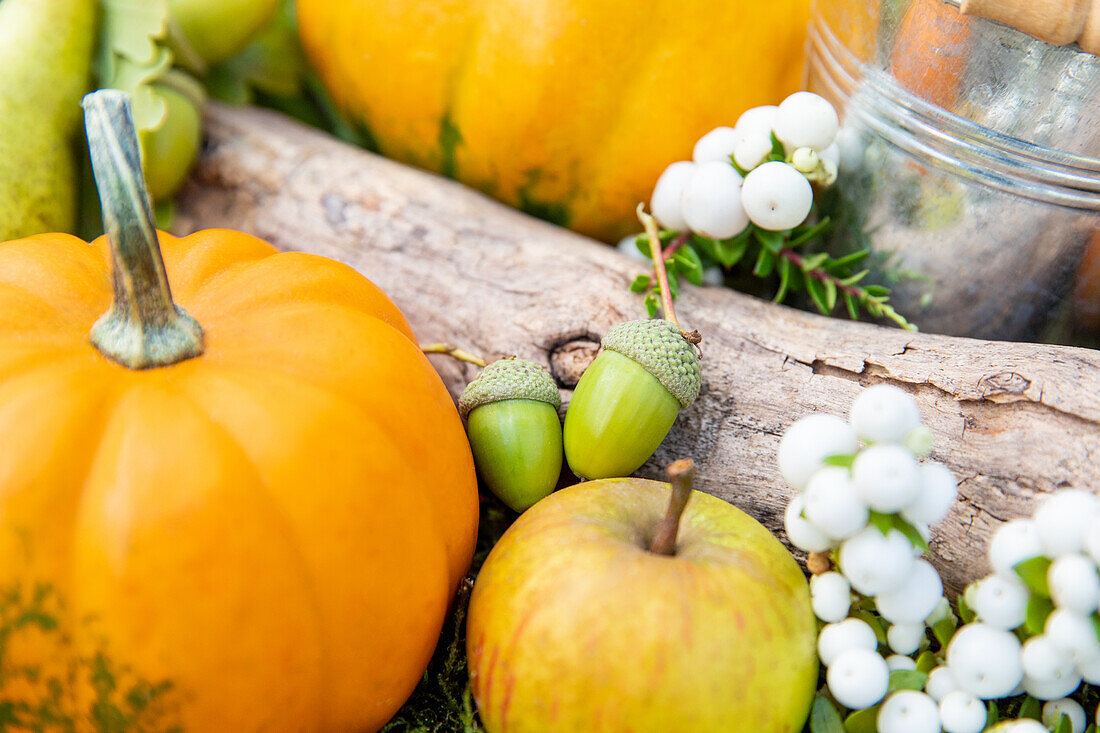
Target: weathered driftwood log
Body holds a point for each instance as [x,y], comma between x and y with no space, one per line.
[1012,420]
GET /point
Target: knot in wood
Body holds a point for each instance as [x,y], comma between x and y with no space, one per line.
[569,359]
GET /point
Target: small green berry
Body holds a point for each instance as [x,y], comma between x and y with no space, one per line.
[512,422]
[627,400]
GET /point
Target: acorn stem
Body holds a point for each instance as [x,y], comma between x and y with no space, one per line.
[657,254]
[455,353]
[680,474]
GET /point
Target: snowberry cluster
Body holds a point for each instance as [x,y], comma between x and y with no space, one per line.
[872,506]
[867,500]
[709,195]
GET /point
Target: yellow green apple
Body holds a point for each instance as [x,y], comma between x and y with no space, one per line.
[603,609]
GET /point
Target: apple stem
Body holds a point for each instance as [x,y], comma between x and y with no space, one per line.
[680,475]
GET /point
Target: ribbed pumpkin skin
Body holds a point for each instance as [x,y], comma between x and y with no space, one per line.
[567,108]
[274,528]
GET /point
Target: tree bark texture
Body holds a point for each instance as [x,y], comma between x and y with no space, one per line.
[1011,420]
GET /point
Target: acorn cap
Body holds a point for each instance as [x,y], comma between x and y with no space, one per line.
[659,348]
[509,379]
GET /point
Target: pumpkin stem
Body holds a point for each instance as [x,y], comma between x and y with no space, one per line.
[144,328]
[680,475]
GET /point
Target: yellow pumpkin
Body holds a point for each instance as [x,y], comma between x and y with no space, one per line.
[246,509]
[568,109]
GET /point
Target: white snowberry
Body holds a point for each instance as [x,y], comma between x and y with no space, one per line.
[805,160]
[1012,543]
[909,711]
[1092,540]
[802,534]
[665,203]
[1055,709]
[875,563]
[915,599]
[831,155]
[961,712]
[985,661]
[711,201]
[713,277]
[715,145]
[942,611]
[1000,601]
[941,682]
[936,494]
[1090,670]
[1072,632]
[1023,725]
[757,120]
[905,638]
[1053,688]
[858,678]
[835,639]
[1043,660]
[886,477]
[833,505]
[884,414]
[900,662]
[830,596]
[805,119]
[776,196]
[751,148]
[1074,584]
[1063,520]
[808,442]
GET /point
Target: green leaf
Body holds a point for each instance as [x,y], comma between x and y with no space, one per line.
[966,613]
[1034,574]
[927,661]
[853,279]
[817,294]
[784,268]
[765,262]
[1065,724]
[853,309]
[778,151]
[1038,609]
[911,533]
[814,262]
[1096,624]
[862,721]
[640,284]
[875,622]
[944,629]
[730,251]
[883,522]
[738,168]
[690,266]
[842,460]
[771,241]
[705,247]
[273,63]
[849,259]
[1031,708]
[830,295]
[993,715]
[907,679]
[876,290]
[651,305]
[801,235]
[824,718]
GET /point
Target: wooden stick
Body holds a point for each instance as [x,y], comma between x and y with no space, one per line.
[1011,420]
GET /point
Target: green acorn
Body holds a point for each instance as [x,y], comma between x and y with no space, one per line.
[626,401]
[512,422]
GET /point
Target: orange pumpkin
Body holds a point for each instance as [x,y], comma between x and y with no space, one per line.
[567,109]
[261,526]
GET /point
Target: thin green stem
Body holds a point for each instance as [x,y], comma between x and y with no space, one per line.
[656,253]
